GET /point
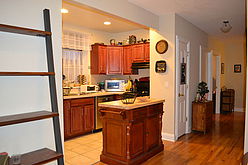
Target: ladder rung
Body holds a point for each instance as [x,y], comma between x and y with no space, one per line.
[21,30]
[26,73]
[38,157]
[26,117]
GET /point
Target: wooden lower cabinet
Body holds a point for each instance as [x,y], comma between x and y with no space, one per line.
[67,117]
[131,136]
[78,116]
[76,119]
[202,116]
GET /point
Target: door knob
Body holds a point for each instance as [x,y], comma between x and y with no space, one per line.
[179,95]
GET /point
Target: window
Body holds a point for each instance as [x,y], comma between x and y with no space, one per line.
[76,49]
[72,64]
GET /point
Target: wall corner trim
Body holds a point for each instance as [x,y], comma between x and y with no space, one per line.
[168,137]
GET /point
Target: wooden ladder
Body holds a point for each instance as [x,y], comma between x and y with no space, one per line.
[44,155]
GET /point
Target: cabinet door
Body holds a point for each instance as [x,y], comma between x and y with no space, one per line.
[137,138]
[138,53]
[102,55]
[127,60]
[152,132]
[147,52]
[67,118]
[76,119]
[115,60]
[88,118]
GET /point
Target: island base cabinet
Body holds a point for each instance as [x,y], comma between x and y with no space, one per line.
[131,137]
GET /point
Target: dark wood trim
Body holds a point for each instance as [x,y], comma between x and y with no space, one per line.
[26,73]
[21,30]
[38,157]
[26,117]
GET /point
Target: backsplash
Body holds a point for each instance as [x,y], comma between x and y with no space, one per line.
[99,78]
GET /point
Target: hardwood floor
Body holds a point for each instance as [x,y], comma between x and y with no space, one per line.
[222,146]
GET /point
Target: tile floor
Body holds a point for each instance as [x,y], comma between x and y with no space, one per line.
[84,150]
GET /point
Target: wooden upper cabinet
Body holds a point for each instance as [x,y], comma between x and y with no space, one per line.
[117,59]
[102,59]
[114,60]
[127,60]
[147,52]
[98,59]
[138,53]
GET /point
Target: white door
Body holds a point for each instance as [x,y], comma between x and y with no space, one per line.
[210,74]
[182,85]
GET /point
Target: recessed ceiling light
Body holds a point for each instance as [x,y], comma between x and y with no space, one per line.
[107,23]
[64,11]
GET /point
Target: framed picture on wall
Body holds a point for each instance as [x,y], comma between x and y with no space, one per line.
[222,68]
[237,68]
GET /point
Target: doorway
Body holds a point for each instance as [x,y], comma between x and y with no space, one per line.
[182,86]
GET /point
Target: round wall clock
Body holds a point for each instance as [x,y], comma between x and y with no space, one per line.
[162,46]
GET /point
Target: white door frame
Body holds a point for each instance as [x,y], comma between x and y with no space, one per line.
[218,70]
[188,129]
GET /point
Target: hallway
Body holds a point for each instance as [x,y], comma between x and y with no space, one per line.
[224,145]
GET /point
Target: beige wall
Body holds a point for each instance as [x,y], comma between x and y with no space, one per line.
[140,33]
[196,37]
[26,94]
[123,9]
[163,84]
[232,51]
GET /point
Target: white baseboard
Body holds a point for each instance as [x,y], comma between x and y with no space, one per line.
[168,137]
[238,109]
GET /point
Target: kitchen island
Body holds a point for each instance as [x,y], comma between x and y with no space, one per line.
[131,132]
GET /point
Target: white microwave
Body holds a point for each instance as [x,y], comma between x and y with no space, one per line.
[114,85]
[88,88]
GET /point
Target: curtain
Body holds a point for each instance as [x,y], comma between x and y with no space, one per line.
[76,49]
[72,64]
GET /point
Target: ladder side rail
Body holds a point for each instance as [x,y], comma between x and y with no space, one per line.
[52,86]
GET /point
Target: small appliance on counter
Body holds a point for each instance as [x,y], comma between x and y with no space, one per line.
[88,89]
[143,86]
[75,91]
[114,85]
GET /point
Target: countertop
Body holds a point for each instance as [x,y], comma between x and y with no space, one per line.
[92,95]
[137,104]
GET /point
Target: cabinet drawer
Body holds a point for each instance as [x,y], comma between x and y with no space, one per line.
[139,113]
[155,109]
[226,107]
[78,102]
[226,99]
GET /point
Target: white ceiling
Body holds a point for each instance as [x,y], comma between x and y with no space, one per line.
[208,15]
[89,19]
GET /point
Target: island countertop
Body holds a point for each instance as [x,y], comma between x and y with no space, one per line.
[137,104]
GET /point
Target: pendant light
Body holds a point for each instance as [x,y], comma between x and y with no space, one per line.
[226,27]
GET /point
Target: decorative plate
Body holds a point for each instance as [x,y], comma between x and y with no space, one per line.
[162,46]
